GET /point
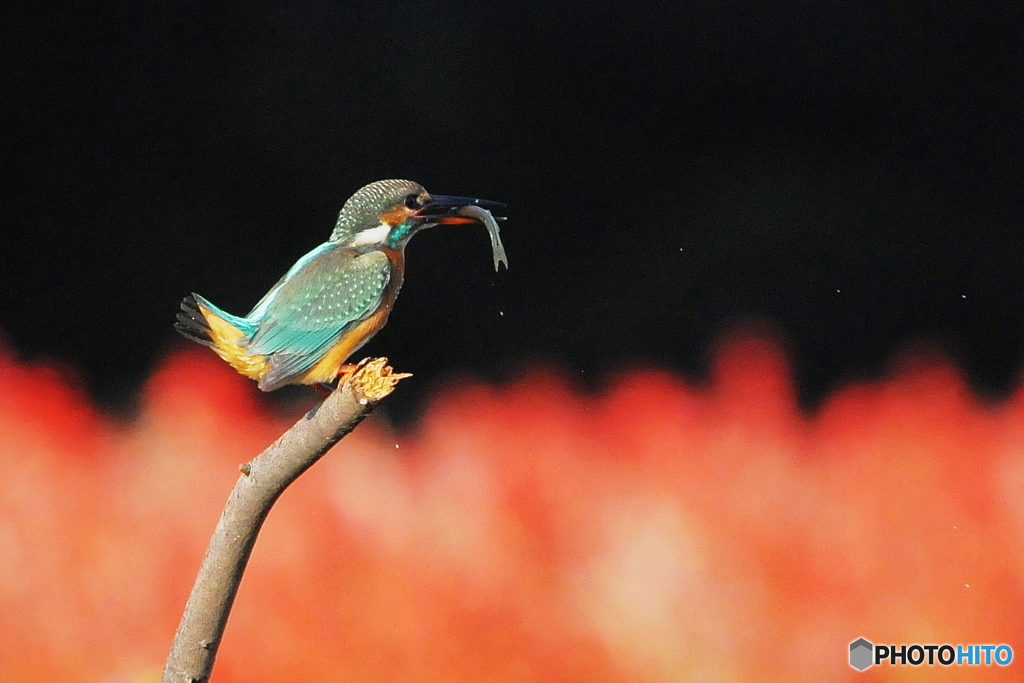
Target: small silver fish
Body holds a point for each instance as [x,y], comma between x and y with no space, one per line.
[487,218]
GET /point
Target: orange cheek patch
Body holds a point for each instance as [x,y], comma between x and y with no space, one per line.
[395,215]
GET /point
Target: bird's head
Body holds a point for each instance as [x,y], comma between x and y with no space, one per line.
[389,212]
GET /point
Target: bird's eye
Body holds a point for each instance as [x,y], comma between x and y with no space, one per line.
[413,202]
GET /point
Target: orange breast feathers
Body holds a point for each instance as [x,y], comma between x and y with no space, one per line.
[328,367]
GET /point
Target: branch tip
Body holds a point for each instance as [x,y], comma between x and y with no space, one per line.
[373,379]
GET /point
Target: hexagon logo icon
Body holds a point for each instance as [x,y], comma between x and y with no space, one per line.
[861,652]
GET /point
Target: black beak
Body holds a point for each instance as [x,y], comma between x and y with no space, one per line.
[443,206]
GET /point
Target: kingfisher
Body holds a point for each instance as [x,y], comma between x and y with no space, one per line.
[336,297]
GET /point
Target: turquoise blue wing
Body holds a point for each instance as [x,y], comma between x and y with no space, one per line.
[329,292]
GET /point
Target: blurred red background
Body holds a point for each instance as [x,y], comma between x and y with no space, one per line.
[655,531]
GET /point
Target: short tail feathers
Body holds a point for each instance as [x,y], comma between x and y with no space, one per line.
[192,323]
[226,334]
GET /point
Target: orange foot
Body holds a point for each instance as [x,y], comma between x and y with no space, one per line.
[345,371]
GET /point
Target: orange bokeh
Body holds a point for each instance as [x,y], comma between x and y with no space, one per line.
[655,531]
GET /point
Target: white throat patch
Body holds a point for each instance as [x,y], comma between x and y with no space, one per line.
[372,235]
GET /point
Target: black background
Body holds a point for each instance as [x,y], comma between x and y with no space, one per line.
[848,171]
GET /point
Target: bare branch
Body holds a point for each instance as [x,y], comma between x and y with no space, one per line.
[262,481]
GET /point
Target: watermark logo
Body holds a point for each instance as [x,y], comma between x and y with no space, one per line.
[864,654]
[861,654]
